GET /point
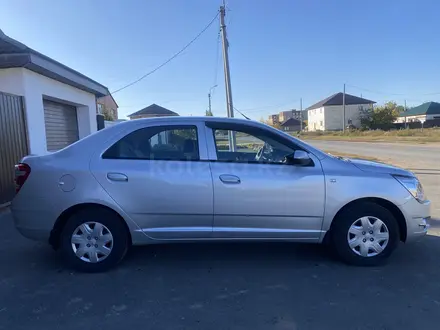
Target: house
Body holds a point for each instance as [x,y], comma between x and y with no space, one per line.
[58,103]
[153,110]
[297,114]
[328,114]
[291,125]
[44,107]
[421,113]
[274,120]
[107,106]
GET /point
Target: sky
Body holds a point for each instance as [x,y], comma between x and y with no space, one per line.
[280,50]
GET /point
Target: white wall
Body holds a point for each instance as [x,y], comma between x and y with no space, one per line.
[334,115]
[316,119]
[34,87]
[416,118]
[11,81]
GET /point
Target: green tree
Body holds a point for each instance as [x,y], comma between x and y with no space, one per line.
[209,113]
[267,122]
[108,115]
[381,117]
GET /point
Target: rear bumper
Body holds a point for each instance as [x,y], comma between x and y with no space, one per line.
[417,217]
[32,224]
[34,234]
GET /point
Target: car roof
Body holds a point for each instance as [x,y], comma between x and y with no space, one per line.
[191,119]
[171,119]
[102,136]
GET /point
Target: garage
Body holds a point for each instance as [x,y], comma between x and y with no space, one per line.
[61,124]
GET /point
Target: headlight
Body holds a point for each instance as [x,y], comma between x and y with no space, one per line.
[413,185]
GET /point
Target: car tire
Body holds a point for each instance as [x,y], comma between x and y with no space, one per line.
[350,240]
[110,223]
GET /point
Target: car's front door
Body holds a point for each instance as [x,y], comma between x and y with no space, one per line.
[159,175]
[256,194]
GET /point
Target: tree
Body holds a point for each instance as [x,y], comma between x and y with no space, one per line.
[267,122]
[381,117]
[209,113]
[108,115]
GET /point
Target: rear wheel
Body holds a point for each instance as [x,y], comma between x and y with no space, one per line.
[94,240]
[365,234]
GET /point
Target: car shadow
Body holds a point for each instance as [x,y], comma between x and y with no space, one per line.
[224,286]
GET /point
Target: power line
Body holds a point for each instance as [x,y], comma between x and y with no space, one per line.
[386,93]
[264,108]
[241,113]
[170,59]
[217,57]
[376,92]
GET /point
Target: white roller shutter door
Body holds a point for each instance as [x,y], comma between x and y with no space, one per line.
[61,125]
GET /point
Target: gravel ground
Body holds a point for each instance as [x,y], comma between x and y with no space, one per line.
[219,286]
[231,286]
[422,159]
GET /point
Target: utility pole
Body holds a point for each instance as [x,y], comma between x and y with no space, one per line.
[301,112]
[230,105]
[404,109]
[343,110]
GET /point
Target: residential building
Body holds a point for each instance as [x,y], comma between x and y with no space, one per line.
[107,105]
[291,125]
[284,115]
[328,114]
[422,113]
[274,120]
[59,103]
[153,110]
[44,107]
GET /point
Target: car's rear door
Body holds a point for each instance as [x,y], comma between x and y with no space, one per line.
[264,199]
[159,175]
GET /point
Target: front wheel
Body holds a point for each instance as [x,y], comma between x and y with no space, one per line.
[365,234]
[94,240]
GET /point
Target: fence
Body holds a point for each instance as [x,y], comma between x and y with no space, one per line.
[13,142]
[416,124]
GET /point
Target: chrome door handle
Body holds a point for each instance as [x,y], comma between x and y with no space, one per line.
[117,177]
[228,178]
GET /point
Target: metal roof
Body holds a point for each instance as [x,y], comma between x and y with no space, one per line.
[428,108]
[337,99]
[154,110]
[15,54]
[291,122]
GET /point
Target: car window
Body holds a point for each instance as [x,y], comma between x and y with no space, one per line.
[250,148]
[157,143]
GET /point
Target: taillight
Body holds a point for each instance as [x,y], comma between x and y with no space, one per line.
[22,172]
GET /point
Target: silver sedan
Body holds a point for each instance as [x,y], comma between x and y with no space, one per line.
[179,179]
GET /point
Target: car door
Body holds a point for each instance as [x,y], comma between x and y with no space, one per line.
[159,175]
[265,198]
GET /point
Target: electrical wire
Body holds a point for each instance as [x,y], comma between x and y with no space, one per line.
[217,57]
[170,59]
[386,93]
[264,108]
[376,92]
[241,113]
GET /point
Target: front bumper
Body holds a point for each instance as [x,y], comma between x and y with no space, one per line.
[417,216]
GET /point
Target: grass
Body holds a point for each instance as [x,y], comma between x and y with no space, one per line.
[253,147]
[404,135]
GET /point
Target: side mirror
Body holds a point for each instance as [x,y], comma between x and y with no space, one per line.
[300,158]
